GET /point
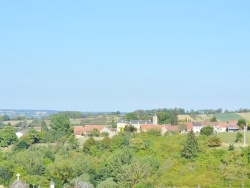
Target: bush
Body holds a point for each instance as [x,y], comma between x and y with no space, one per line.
[87,145]
[231,147]
[207,131]
[214,141]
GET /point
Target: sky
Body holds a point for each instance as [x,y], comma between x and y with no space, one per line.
[124,55]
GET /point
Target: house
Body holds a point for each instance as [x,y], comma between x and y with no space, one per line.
[232,127]
[147,127]
[136,123]
[223,127]
[189,126]
[90,128]
[110,132]
[215,125]
[196,127]
[170,128]
[87,129]
[78,131]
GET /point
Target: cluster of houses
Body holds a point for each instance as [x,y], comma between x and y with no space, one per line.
[146,125]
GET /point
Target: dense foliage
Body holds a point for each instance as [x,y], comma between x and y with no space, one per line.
[127,160]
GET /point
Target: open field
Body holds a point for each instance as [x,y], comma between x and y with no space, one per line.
[14,122]
[227,116]
[245,116]
[229,138]
[185,118]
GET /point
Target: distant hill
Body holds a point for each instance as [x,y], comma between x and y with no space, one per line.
[227,116]
[27,113]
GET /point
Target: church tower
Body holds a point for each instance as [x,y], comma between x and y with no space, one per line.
[155,119]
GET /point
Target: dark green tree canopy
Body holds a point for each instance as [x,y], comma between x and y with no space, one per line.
[7,136]
[131,116]
[242,123]
[61,123]
[207,130]
[191,147]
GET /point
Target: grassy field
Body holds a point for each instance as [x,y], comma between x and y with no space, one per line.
[245,116]
[229,138]
[228,116]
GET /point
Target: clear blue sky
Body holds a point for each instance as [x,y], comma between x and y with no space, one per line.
[124,55]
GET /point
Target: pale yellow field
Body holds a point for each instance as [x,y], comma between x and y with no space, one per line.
[14,122]
[185,117]
[245,115]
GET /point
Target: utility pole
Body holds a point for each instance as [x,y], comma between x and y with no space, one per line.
[245,136]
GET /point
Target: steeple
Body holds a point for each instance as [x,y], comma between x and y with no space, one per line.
[155,119]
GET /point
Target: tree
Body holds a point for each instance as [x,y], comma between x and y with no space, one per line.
[191,147]
[106,142]
[213,119]
[207,130]
[241,123]
[61,125]
[214,141]
[174,117]
[163,117]
[230,147]
[182,126]
[108,183]
[7,136]
[131,116]
[129,128]
[44,127]
[239,136]
[88,144]
[4,118]
[137,144]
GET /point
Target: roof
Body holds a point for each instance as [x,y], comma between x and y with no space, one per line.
[189,126]
[172,128]
[89,128]
[232,122]
[223,124]
[207,123]
[196,124]
[78,130]
[135,121]
[151,126]
[232,126]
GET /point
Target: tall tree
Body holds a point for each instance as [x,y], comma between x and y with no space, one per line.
[60,123]
[242,123]
[191,147]
[7,136]
[131,116]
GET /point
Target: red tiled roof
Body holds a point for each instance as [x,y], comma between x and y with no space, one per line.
[78,130]
[189,126]
[207,123]
[223,124]
[172,128]
[232,122]
[89,128]
[151,126]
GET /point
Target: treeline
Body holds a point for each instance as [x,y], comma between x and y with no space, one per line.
[73,114]
[165,116]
